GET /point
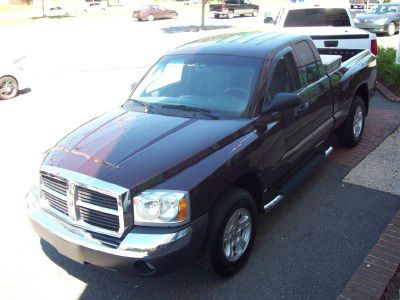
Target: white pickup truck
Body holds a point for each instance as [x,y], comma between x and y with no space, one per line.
[331,29]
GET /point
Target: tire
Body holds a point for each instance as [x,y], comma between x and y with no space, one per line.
[8,87]
[255,13]
[173,16]
[391,29]
[237,204]
[150,18]
[351,132]
[230,15]
[216,16]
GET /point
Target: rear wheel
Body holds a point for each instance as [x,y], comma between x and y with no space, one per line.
[216,16]
[232,230]
[150,18]
[391,29]
[8,87]
[230,15]
[351,132]
[255,13]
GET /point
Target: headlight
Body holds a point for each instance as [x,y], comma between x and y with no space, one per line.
[161,207]
[381,21]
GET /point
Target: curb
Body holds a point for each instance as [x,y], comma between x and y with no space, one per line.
[387,93]
[373,276]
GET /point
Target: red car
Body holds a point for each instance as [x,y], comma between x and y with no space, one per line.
[153,12]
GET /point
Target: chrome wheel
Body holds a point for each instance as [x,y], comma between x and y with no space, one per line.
[237,234]
[8,87]
[358,121]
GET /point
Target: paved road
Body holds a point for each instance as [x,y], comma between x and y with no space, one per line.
[308,247]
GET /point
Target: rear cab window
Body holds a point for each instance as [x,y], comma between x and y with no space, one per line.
[309,68]
[309,17]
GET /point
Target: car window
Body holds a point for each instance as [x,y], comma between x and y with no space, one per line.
[317,17]
[308,68]
[285,78]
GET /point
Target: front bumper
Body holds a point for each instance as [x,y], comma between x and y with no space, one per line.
[143,251]
[372,27]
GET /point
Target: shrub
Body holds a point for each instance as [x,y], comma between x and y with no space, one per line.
[388,71]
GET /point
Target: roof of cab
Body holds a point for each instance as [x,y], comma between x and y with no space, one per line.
[250,44]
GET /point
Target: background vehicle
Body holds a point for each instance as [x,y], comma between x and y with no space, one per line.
[93,6]
[154,12]
[385,18]
[331,29]
[142,196]
[188,2]
[232,8]
[11,79]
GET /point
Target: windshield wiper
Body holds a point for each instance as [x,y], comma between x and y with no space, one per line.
[190,108]
[142,103]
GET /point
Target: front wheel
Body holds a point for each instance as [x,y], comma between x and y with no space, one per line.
[391,29]
[230,15]
[173,16]
[216,16]
[231,234]
[351,132]
[8,87]
[150,18]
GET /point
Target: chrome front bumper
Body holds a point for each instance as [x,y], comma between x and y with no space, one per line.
[143,251]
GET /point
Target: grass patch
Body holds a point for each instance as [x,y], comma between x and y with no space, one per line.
[388,71]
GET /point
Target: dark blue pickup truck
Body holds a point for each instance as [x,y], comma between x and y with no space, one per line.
[217,132]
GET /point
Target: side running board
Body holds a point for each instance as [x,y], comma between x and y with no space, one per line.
[297,179]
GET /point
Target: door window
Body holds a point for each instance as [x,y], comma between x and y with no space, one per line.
[285,78]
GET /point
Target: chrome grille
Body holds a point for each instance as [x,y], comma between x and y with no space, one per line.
[96,198]
[92,204]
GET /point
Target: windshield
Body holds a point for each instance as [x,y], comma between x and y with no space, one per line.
[317,17]
[385,9]
[221,85]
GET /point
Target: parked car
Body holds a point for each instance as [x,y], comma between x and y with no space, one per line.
[232,8]
[93,6]
[385,18]
[154,12]
[331,29]
[11,79]
[58,11]
[217,131]
[189,2]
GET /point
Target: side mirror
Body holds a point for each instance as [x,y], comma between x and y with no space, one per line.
[268,20]
[133,85]
[283,101]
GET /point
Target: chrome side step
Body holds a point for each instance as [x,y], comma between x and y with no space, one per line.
[328,151]
[274,202]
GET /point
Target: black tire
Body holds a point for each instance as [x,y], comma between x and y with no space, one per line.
[216,16]
[8,87]
[214,255]
[347,134]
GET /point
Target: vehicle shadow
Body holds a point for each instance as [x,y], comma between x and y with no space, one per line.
[193,28]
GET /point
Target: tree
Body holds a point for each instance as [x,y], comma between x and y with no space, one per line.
[203,12]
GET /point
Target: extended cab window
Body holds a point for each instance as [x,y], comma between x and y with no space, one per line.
[317,17]
[285,78]
[309,68]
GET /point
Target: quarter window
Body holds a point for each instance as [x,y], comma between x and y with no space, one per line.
[309,68]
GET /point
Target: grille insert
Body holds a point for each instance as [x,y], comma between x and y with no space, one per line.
[99,219]
[96,198]
[56,203]
[56,185]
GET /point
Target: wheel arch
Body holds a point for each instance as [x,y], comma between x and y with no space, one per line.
[363,92]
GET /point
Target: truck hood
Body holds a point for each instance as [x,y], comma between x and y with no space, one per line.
[134,150]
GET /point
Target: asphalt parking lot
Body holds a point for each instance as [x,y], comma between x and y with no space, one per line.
[308,247]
